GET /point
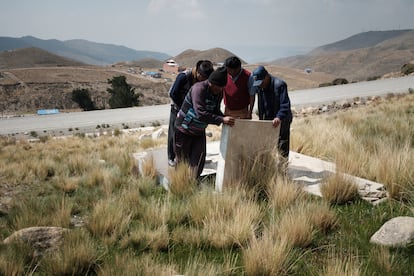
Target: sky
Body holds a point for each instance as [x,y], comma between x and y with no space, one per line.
[254,30]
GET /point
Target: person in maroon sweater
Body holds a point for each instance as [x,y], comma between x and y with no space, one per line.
[237,100]
[201,107]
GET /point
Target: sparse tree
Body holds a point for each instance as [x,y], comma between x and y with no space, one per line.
[83,98]
[122,94]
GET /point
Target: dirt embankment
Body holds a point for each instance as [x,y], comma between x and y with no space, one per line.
[25,90]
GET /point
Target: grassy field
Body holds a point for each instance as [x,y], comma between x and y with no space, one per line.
[131,226]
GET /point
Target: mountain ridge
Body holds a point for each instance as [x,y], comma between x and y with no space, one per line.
[82,50]
[384,52]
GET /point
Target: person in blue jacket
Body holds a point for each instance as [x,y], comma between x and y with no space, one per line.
[273,104]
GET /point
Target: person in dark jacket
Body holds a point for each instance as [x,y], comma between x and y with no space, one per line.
[237,100]
[273,104]
[201,107]
[178,90]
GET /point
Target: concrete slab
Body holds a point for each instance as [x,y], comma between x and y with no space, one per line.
[241,142]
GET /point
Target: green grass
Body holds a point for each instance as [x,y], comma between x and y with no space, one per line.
[132,226]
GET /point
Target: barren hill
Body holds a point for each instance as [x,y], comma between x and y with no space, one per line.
[33,57]
[81,50]
[190,57]
[379,56]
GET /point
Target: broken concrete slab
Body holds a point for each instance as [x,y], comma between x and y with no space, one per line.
[306,171]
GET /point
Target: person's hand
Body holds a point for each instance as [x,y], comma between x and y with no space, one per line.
[228,120]
[276,122]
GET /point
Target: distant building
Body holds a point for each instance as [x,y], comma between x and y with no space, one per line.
[172,67]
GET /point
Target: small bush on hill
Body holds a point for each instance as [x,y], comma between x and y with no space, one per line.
[83,98]
[122,94]
[339,81]
[407,69]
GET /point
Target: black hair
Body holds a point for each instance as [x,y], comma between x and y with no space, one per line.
[232,62]
[205,67]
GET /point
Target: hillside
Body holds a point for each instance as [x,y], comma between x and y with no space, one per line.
[81,50]
[33,57]
[358,41]
[354,59]
[189,57]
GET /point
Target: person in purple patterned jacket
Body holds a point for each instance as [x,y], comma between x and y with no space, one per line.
[201,107]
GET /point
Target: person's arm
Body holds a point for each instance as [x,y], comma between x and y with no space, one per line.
[179,82]
[284,109]
[252,95]
[251,106]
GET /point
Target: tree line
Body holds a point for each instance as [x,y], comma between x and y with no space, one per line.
[122,95]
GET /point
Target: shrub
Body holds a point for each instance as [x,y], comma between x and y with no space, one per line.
[122,94]
[337,189]
[339,81]
[407,69]
[83,98]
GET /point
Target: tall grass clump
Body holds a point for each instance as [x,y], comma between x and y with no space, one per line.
[109,220]
[182,181]
[128,264]
[267,256]
[54,210]
[17,259]
[257,173]
[342,265]
[294,225]
[282,193]
[79,255]
[148,168]
[338,189]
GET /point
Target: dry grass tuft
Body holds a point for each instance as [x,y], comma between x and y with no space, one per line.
[337,189]
[109,219]
[31,211]
[148,168]
[282,193]
[182,180]
[322,216]
[128,264]
[256,174]
[341,265]
[14,257]
[267,256]
[396,170]
[148,238]
[199,265]
[226,219]
[295,226]
[77,256]
[222,231]
[382,257]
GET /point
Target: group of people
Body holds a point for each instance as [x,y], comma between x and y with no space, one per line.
[196,98]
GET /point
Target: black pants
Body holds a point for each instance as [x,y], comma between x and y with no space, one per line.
[191,149]
[171,131]
[284,138]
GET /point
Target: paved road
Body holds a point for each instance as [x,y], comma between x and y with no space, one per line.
[138,116]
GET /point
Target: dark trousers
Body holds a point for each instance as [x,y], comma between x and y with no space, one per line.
[284,138]
[191,149]
[171,131]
